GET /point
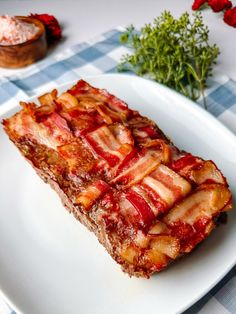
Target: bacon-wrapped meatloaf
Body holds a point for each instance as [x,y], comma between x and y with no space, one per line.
[147,201]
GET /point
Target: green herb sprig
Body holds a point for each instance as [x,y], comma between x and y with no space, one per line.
[174,52]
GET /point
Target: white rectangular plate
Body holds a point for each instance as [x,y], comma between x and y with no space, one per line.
[49,263]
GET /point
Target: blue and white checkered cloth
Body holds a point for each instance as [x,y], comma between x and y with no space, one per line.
[101,55]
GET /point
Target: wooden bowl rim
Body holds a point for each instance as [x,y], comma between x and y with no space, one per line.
[39,33]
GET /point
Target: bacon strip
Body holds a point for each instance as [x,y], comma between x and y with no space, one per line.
[105,145]
[165,193]
[122,133]
[184,162]
[141,206]
[159,204]
[87,197]
[207,172]
[198,170]
[53,131]
[138,167]
[206,201]
[174,182]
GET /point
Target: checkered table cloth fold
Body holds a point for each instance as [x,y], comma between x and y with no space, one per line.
[101,55]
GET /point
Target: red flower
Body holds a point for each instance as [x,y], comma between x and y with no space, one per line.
[230,17]
[53,29]
[219,5]
[198,3]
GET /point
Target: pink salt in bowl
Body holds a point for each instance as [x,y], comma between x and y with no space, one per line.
[27,52]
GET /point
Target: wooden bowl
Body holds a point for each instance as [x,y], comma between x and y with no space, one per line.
[21,55]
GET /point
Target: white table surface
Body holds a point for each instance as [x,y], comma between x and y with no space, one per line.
[84,19]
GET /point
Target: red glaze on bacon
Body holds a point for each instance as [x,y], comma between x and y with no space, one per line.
[115,170]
